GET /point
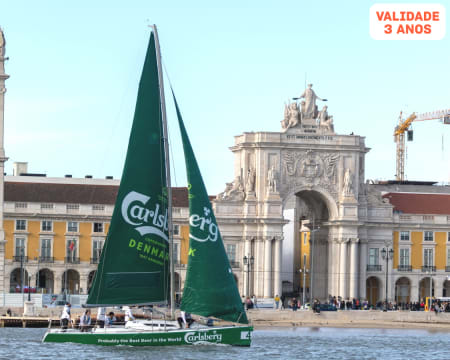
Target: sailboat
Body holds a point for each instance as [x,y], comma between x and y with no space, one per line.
[135,267]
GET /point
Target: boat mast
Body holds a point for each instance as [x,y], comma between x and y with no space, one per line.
[169,186]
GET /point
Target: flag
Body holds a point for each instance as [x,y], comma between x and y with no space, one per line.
[71,245]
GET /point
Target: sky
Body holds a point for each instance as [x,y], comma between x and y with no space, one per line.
[75,66]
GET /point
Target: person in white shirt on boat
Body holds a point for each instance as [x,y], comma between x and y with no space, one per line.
[101,317]
[128,314]
[85,321]
[185,320]
[65,316]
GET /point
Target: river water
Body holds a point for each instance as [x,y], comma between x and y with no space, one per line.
[279,343]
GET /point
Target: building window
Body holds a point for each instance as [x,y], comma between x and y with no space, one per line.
[373,256]
[231,252]
[46,206]
[72,226]
[20,247]
[176,229]
[428,259]
[97,247]
[20,205]
[46,225]
[448,236]
[98,207]
[404,257]
[448,257]
[428,236]
[46,249]
[72,208]
[404,235]
[71,249]
[304,260]
[21,224]
[98,227]
[175,253]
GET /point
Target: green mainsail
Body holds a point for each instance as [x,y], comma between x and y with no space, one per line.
[134,265]
[210,288]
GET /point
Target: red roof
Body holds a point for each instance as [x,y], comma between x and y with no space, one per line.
[413,203]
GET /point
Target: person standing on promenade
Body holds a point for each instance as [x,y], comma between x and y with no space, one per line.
[277,301]
[282,299]
[255,302]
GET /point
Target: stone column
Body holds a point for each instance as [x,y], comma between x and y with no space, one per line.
[343,269]
[3,159]
[333,267]
[277,288]
[257,269]
[414,290]
[362,268]
[57,283]
[268,267]
[353,273]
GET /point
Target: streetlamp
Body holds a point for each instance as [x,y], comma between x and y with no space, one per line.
[387,254]
[248,261]
[29,288]
[22,270]
[304,271]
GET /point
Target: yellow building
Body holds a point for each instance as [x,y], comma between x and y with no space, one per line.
[55,229]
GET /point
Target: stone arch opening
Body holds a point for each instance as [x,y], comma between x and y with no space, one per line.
[71,282]
[446,288]
[403,290]
[424,288]
[45,281]
[18,277]
[305,243]
[373,290]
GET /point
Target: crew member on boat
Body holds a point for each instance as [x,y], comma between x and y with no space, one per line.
[110,319]
[65,316]
[85,321]
[101,317]
[185,320]
[128,314]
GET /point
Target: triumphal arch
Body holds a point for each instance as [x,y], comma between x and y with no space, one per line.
[306,177]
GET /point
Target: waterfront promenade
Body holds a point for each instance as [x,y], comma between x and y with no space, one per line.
[267,318]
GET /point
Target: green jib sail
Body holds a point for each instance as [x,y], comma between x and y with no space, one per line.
[210,288]
[133,268]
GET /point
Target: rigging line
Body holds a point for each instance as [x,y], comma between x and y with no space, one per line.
[170,142]
[106,149]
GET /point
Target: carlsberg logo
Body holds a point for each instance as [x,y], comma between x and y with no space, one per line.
[206,226]
[145,220]
[192,337]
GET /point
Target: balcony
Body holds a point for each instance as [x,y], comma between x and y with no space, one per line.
[179,265]
[235,264]
[428,268]
[373,267]
[20,258]
[72,260]
[95,260]
[46,259]
[404,268]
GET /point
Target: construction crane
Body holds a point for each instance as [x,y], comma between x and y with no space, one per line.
[404,126]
